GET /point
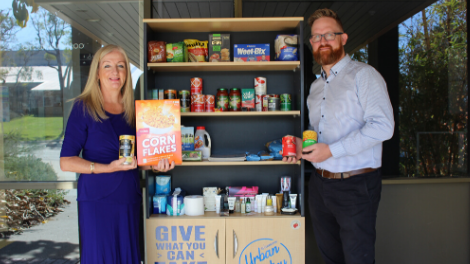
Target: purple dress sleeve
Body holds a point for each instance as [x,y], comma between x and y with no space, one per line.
[76,132]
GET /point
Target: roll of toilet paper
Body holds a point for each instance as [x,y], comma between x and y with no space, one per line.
[194,205]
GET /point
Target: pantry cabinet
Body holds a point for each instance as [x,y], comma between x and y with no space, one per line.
[231,239]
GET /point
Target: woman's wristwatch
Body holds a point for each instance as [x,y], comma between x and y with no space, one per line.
[92,167]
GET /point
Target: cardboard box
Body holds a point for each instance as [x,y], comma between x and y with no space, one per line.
[209,194]
[158,126]
[251,52]
[219,47]
[187,138]
[248,97]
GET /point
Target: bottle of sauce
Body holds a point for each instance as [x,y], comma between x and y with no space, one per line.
[235,100]
[222,99]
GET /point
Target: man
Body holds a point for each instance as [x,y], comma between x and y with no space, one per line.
[350,109]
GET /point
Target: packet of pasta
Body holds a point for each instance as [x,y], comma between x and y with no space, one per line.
[158,127]
[197,50]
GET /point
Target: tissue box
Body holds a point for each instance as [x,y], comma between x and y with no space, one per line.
[162,185]
[209,194]
[251,52]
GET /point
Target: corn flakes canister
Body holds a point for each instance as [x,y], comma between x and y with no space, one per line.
[196,85]
[209,105]
[289,146]
[309,138]
[126,148]
[197,103]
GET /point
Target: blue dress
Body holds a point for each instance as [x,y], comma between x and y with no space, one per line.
[108,203]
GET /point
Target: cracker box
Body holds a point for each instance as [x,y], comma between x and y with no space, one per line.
[248,97]
[158,126]
[251,52]
[219,47]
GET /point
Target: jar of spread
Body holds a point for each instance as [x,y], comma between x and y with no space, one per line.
[222,99]
[235,100]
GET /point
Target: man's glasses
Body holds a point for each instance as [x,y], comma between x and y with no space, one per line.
[328,36]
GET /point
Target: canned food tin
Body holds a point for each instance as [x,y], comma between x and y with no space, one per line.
[196,85]
[273,104]
[170,94]
[155,94]
[126,148]
[185,100]
[260,90]
[289,146]
[197,103]
[209,103]
[286,102]
[265,102]
[309,138]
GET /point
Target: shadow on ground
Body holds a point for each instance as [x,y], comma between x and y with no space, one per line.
[39,252]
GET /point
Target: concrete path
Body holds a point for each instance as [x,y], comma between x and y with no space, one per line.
[54,242]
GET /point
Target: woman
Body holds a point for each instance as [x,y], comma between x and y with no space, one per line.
[108,191]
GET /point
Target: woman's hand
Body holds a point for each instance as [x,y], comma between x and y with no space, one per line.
[118,165]
[163,166]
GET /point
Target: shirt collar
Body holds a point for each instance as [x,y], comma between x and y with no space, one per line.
[337,67]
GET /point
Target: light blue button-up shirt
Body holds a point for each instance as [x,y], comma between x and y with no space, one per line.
[351,112]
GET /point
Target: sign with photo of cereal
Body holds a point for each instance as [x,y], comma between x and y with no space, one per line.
[158,127]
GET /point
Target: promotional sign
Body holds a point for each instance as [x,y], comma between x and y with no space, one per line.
[265,250]
[184,241]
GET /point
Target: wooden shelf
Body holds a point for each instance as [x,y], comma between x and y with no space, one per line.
[236,163]
[224,24]
[238,113]
[225,66]
[207,215]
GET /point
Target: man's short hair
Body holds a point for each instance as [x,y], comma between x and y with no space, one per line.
[325,12]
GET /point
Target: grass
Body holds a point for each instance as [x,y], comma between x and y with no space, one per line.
[35,128]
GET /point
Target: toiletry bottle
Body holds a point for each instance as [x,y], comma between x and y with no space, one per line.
[237,206]
[248,206]
[269,200]
[242,206]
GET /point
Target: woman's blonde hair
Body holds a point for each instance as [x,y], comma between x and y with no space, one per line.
[92,97]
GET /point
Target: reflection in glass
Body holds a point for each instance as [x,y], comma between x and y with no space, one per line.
[433,111]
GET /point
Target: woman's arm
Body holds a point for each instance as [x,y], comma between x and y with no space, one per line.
[80,165]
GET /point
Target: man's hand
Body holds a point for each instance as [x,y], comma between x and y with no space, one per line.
[298,149]
[319,152]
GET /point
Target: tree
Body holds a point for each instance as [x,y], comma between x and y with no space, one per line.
[433,70]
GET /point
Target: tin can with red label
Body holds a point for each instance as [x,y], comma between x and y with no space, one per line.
[196,85]
[209,103]
[197,103]
[260,90]
[170,94]
[289,146]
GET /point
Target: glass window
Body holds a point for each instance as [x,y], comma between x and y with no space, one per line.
[433,107]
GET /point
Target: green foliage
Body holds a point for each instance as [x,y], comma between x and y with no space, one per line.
[361,55]
[433,110]
[21,165]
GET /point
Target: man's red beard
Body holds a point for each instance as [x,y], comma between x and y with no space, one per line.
[327,57]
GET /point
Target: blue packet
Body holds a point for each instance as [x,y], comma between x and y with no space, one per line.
[162,185]
[159,204]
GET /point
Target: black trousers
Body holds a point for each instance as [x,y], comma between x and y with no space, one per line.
[344,213]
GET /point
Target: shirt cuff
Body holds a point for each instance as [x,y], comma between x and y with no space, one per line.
[337,150]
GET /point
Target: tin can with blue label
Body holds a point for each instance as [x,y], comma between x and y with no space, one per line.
[126,148]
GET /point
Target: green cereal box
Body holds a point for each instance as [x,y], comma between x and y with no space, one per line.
[176,52]
[248,97]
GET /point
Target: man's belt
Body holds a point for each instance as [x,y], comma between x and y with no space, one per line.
[343,175]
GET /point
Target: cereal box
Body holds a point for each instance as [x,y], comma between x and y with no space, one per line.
[158,126]
[251,52]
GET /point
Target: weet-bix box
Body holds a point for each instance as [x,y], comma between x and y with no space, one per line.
[251,52]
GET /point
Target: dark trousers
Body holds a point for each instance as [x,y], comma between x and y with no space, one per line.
[344,213]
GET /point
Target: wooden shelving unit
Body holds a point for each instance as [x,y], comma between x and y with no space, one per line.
[236,163]
[224,66]
[215,114]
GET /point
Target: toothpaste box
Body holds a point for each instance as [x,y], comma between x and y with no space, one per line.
[251,52]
